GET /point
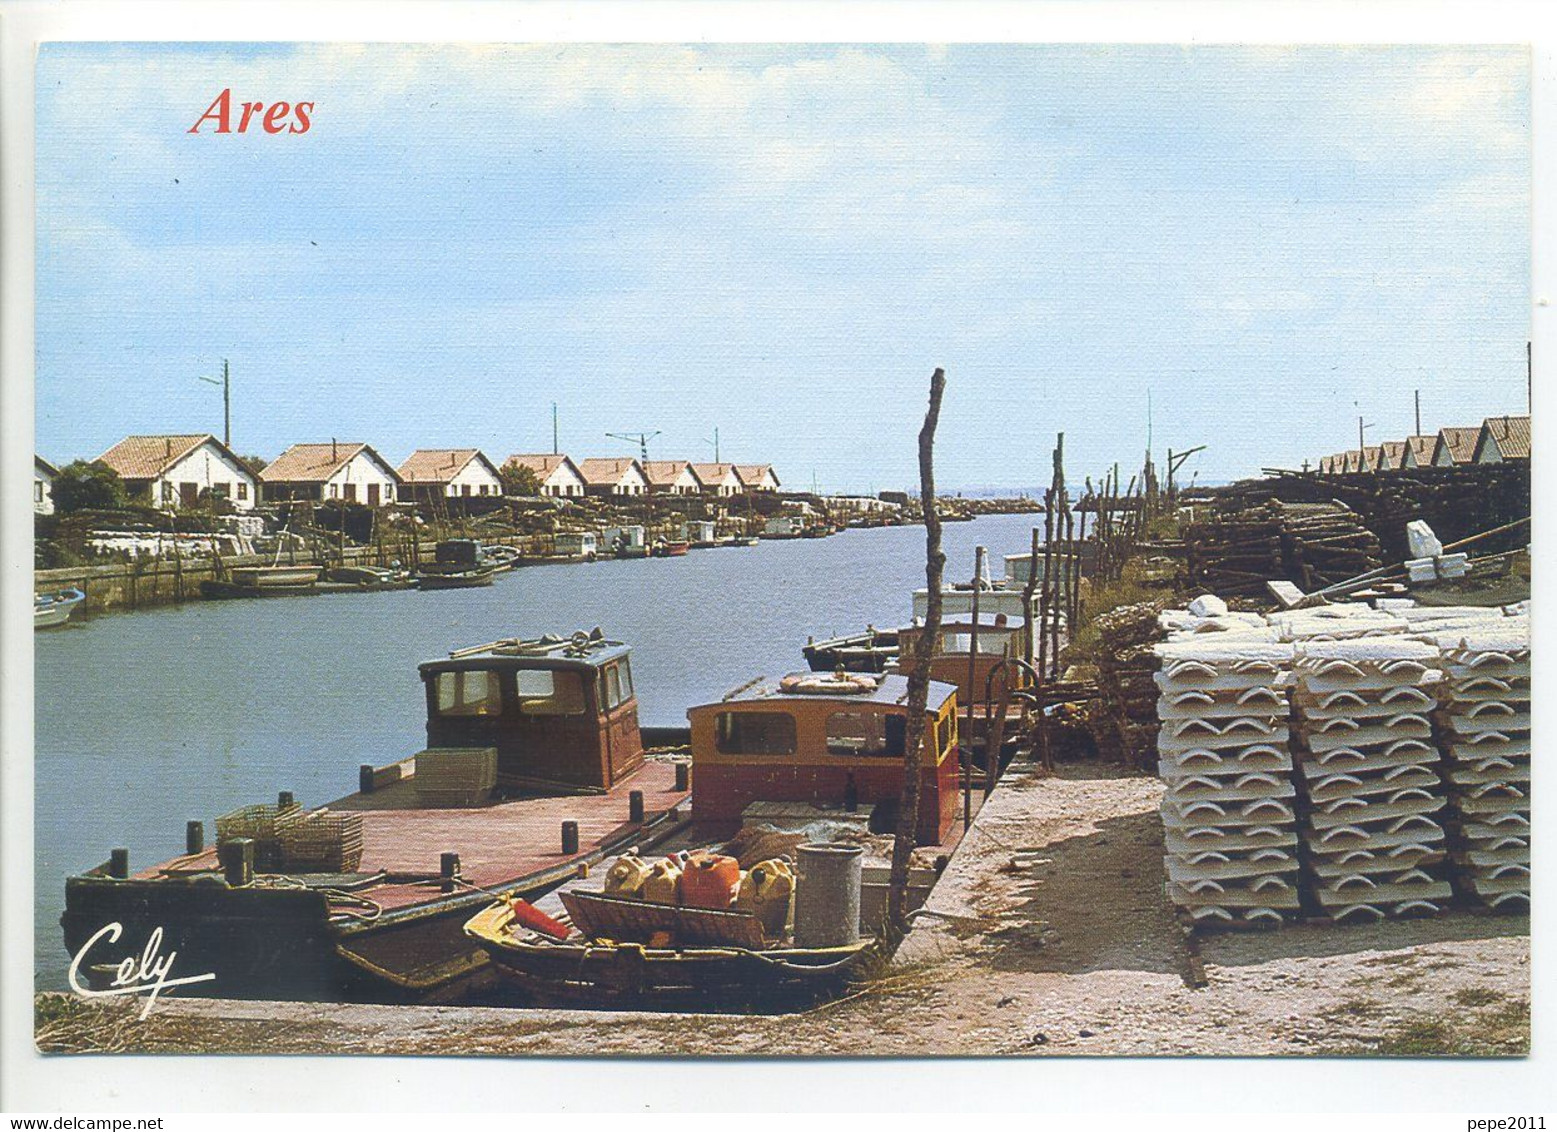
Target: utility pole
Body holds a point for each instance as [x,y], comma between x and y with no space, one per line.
[226,384]
[642,438]
[715,443]
[554,447]
[1418,431]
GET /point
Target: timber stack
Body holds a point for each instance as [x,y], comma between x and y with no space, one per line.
[1127,700]
[1311,544]
[1456,502]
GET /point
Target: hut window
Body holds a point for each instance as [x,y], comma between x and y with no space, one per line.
[469,693]
[866,733]
[754,733]
[544,692]
[945,732]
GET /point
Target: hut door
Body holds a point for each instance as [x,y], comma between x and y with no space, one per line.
[372,495]
[188,494]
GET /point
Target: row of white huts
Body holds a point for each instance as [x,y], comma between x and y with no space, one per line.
[181,471]
[1497,440]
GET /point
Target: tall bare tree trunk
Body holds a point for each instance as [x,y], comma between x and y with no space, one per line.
[919,676]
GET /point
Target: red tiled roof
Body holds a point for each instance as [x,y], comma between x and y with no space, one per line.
[665,472]
[1422,449]
[147,457]
[712,474]
[603,470]
[315,463]
[542,464]
[440,465]
[754,473]
[1370,458]
[1461,443]
[1510,434]
[1393,454]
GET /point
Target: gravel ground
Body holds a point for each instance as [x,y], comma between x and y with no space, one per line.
[1047,935]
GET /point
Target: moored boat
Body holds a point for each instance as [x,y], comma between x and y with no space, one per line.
[459,564]
[283,576]
[663,549]
[51,609]
[584,969]
[870,651]
[501,557]
[367,578]
[533,767]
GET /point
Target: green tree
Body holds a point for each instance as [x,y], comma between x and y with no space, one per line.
[519,480]
[83,485]
[255,464]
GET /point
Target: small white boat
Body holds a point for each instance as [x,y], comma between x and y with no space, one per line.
[49,610]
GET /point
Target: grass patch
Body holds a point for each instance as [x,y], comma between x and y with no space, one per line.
[1355,1008]
[1500,1032]
[1477,996]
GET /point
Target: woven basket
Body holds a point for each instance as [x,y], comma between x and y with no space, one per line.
[261,824]
[455,776]
[322,842]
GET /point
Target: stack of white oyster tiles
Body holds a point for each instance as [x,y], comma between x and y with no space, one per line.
[1485,720]
[1228,817]
[1369,787]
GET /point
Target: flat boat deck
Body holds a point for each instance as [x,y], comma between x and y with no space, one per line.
[498,842]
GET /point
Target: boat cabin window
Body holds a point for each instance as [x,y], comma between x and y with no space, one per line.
[546,692]
[618,679]
[992,642]
[469,693]
[945,733]
[754,733]
[866,733]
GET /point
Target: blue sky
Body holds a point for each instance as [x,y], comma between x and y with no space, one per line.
[782,242]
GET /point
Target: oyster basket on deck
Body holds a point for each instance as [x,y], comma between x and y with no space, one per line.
[261,824]
[455,776]
[322,842]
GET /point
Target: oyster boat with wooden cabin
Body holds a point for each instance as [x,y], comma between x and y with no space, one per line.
[533,767]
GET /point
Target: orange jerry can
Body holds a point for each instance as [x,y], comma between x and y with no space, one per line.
[710,880]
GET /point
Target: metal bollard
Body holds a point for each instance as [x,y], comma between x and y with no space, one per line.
[194,837]
[683,776]
[635,806]
[119,863]
[570,837]
[237,859]
[827,895]
[448,870]
[365,778]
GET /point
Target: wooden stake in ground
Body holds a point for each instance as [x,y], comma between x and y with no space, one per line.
[919,676]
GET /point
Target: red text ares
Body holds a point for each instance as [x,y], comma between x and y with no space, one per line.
[221,117]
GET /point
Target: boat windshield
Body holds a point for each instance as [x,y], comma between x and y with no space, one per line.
[469,693]
[866,733]
[547,692]
[992,642]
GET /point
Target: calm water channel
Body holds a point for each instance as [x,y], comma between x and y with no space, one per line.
[146,720]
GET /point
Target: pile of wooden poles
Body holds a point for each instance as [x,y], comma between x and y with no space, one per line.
[1456,502]
[1313,545]
[1127,692]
